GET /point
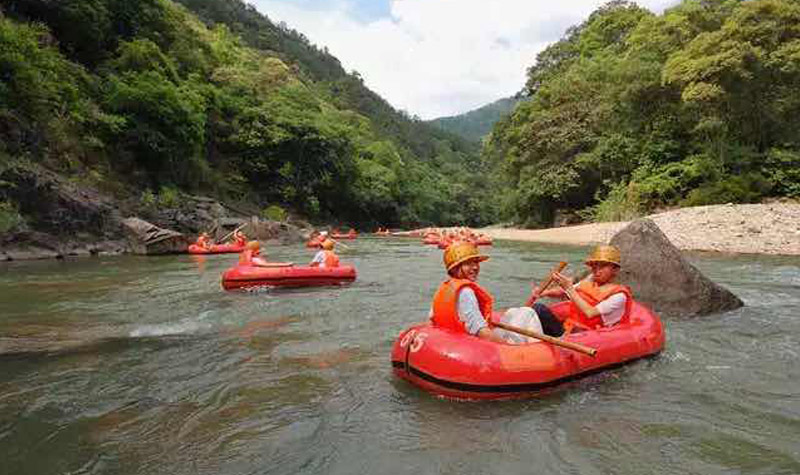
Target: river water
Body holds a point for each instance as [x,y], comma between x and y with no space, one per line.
[144,365]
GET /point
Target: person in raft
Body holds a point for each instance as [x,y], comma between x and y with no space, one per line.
[596,301]
[462,305]
[251,255]
[239,238]
[204,241]
[325,257]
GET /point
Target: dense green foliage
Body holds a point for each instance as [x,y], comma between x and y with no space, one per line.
[477,124]
[633,111]
[148,97]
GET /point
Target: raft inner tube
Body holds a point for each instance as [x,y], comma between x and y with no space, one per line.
[291,276]
[216,249]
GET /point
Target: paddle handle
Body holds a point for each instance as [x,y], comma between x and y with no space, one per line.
[339,243]
[230,233]
[541,336]
[546,282]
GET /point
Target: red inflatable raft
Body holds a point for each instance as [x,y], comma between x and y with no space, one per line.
[291,276]
[462,366]
[344,236]
[216,249]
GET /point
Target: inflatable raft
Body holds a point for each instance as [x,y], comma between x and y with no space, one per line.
[291,276]
[432,240]
[344,235]
[461,366]
[216,249]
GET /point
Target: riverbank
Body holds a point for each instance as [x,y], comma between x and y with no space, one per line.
[746,229]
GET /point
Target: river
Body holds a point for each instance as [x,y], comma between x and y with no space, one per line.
[144,365]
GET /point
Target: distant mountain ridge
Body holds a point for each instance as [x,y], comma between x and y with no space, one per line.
[477,123]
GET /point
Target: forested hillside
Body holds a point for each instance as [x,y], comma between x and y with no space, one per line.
[146,100]
[632,111]
[476,124]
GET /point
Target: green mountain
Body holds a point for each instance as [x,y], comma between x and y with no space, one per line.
[153,99]
[476,124]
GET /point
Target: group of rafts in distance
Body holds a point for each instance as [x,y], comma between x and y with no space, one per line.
[467,349]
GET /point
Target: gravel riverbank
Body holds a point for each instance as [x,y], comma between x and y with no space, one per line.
[748,228]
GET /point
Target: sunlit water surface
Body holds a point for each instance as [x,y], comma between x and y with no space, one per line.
[144,365]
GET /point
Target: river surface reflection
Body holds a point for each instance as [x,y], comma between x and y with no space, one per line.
[144,365]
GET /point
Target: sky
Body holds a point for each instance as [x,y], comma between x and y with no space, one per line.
[436,58]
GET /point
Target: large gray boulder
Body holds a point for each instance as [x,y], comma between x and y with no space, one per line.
[147,238]
[663,279]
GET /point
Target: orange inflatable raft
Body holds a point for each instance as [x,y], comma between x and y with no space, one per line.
[216,249]
[290,276]
[462,366]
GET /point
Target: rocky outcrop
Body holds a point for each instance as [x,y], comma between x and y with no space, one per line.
[60,207]
[61,218]
[663,279]
[64,217]
[148,239]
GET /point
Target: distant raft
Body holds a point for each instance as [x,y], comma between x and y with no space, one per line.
[240,277]
[216,249]
[462,366]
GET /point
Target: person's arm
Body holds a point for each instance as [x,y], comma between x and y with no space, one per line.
[612,308]
[488,334]
[260,261]
[536,294]
[319,258]
[469,313]
[569,290]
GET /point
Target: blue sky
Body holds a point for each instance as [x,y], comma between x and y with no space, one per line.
[435,58]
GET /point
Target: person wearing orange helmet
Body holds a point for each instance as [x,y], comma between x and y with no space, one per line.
[239,238]
[204,241]
[596,301]
[461,305]
[251,255]
[325,257]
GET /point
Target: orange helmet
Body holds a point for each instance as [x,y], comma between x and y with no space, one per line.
[253,246]
[327,245]
[460,252]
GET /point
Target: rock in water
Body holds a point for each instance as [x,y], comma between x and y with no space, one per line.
[663,279]
[146,238]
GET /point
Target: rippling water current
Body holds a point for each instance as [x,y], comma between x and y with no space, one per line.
[144,365]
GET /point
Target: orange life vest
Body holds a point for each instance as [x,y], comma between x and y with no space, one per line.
[445,303]
[593,295]
[331,259]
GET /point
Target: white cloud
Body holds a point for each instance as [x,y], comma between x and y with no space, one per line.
[436,58]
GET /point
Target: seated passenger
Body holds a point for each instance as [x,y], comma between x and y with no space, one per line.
[596,301]
[462,305]
[204,241]
[250,255]
[325,257]
[239,238]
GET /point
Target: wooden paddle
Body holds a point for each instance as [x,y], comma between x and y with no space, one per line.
[338,242]
[546,283]
[555,341]
[231,233]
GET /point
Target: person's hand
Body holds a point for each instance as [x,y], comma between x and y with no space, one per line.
[536,292]
[563,281]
